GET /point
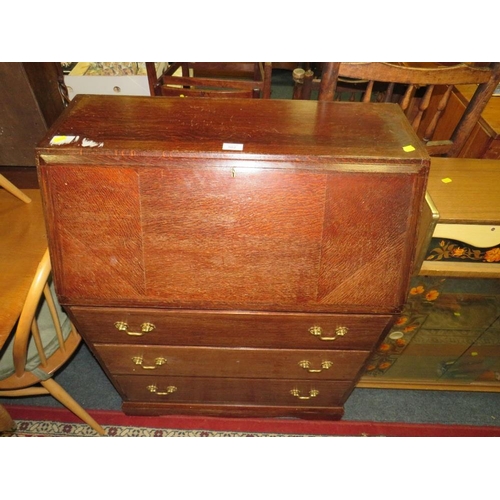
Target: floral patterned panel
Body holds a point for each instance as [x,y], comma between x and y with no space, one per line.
[420,300]
[455,250]
[446,332]
[115,69]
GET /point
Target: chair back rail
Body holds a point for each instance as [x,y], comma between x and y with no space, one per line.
[243,80]
[422,92]
[26,320]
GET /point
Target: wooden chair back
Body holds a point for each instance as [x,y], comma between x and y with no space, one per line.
[27,325]
[41,345]
[235,79]
[423,92]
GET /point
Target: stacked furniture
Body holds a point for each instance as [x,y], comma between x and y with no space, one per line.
[424,91]
[208,79]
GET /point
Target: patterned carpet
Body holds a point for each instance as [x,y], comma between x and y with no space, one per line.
[38,428]
[59,422]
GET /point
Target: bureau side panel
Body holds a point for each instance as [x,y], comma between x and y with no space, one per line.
[368,235]
[93,216]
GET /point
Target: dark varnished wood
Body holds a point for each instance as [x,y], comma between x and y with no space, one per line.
[230,362]
[229,328]
[246,241]
[29,103]
[234,390]
[214,79]
[385,81]
[232,255]
[153,408]
[288,130]
[484,140]
[251,233]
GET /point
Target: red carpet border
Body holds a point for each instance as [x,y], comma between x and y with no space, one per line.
[46,421]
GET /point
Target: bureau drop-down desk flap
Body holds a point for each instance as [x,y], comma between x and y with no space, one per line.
[232,257]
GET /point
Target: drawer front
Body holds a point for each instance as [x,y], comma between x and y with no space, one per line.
[227,362]
[200,328]
[233,391]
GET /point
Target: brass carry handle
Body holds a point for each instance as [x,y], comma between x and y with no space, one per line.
[312,394]
[317,331]
[138,360]
[145,328]
[170,389]
[325,365]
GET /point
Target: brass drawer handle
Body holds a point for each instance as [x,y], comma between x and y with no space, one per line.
[325,365]
[145,328]
[170,389]
[158,362]
[312,394]
[317,331]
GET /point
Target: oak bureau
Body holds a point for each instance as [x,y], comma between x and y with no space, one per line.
[232,257]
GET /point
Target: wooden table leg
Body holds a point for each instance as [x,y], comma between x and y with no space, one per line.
[6,422]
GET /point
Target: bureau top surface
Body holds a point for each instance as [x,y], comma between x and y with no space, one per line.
[234,128]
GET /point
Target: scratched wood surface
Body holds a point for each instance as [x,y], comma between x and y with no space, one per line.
[235,237]
[302,216]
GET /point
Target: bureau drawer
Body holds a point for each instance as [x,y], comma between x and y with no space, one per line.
[233,391]
[240,329]
[227,362]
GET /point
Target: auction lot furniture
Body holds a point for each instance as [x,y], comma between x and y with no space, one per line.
[484,141]
[466,192]
[448,335]
[422,91]
[234,79]
[233,257]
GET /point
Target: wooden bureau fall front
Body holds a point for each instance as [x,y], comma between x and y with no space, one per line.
[232,257]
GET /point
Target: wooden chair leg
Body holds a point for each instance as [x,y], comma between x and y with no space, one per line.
[63,397]
[6,422]
[12,189]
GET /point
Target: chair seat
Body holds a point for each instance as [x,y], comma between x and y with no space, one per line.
[49,341]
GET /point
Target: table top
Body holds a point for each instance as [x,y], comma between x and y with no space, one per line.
[22,244]
[491,113]
[465,190]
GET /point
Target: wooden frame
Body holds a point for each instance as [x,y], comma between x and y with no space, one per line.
[424,118]
[241,80]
